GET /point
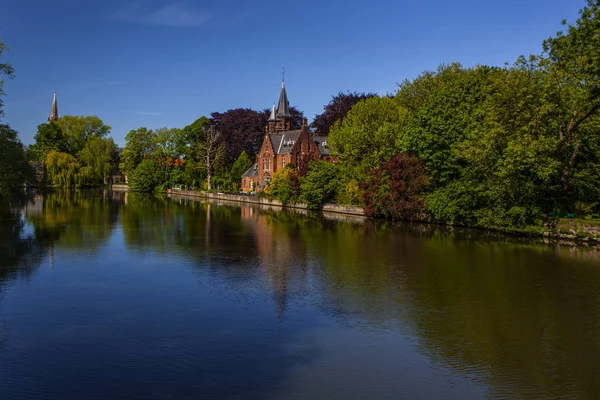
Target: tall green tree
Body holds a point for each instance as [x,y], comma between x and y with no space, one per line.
[49,137]
[571,60]
[63,169]
[372,131]
[97,159]
[139,144]
[79,129]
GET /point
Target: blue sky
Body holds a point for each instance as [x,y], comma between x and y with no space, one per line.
[165,63]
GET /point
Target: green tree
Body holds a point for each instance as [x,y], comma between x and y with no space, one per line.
[14,168]
[49,137]
[169,148]
[79,129]
[146,177]
[370,133]
[97,158]
[571,62]
[238,168]
[139,145]
[283,185]
[320,185]
[63,169]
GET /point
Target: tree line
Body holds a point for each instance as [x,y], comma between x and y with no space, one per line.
[498,147]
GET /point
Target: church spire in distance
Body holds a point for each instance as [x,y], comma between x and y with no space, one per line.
[54,114]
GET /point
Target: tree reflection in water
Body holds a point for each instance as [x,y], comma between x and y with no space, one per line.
[514,314]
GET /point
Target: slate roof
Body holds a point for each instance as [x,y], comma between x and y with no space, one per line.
[321,142]
[252,171]
[284,141]
[283,106]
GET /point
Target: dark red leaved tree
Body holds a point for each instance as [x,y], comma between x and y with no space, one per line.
[337,109]
[395,189]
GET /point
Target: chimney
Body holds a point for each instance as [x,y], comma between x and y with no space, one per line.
[304,122]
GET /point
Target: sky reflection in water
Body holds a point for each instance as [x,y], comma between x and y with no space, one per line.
[115,295]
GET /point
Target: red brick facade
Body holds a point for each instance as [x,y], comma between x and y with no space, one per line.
[281,146]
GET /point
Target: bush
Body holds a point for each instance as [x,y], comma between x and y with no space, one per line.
[320,185]
[145,177]
[395,190]
[284,185]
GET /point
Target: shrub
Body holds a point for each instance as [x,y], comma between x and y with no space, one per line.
[320,185]
[145,177]
[395,189]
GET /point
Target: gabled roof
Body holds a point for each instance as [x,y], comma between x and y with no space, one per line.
[283,142]
[321,142]
[252,171]
[283,106]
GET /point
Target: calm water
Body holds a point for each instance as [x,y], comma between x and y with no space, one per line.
[121,296]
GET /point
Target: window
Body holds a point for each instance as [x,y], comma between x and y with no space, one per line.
[269,164]
[283,162]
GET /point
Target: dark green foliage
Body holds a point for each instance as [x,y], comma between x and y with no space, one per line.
[140,144]
[320,185]
[146,177]
[238,168]
[49,137]
[14,168]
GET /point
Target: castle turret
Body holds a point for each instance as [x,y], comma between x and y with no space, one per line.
[272,122]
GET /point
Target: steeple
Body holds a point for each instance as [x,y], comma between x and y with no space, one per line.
[273,116]
[283,106]
[54,114]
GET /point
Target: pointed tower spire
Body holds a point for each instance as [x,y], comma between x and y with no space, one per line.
[283,106]
[54,114]
[273,116]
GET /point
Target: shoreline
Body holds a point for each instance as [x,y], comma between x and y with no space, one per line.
[562,235]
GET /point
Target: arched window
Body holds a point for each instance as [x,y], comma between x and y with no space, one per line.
[269,164]
[264,164]
[282,162]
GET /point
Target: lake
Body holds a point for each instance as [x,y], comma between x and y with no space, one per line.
[108,295]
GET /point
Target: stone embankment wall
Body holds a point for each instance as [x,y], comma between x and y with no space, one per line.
[120,188]
[575,230]
[334,208]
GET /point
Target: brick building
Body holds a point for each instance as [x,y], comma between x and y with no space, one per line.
[283,144]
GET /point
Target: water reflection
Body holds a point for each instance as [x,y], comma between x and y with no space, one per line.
[515,316]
